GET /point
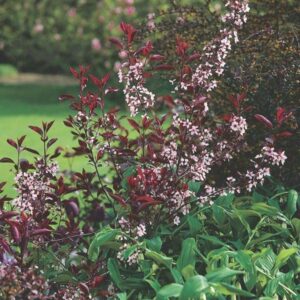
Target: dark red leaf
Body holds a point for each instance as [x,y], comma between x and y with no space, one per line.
[116,42]
[51,142]
[31,151]
[74,72]
[280,113]
[21,140]
[37,130]
[145,198]
[96,81]
[41,231]
[119,199]
[84,288]
[193,57]
[12,143]
[99,154]
[164,67]
[66,97]
[262,119]
[134,124]
[6,160]
[15,233]
[8,214]
[284,134]
[105,79]
[157,57]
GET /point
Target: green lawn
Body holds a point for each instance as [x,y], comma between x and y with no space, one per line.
[24,105]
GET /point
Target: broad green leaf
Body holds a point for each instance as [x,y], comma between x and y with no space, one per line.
[154,244]
[194,225]
[225,201]
[187,254]
[126,253]
[154,284]
[292,203]
[107,234]
[159,258]
[214,240]
[222,274]
[177,276]
[228,289]
[219,214]
[193,287]
[63,277]
[296,224]
[114,272]
[194,186]
[146,266]
[133,283]
[188,271]
[283,257]
[245,261]
[170,290]
[274,286]
[122,296]
[266,260]
[264,208]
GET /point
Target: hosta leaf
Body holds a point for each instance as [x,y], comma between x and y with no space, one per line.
[194,225]
[187,254]
[107,234]
[193,287]
[114,272]
[221,274]
[130,250]
[250,277]
[170,290]
[194,186]
[266,260]
[159,258]
[228,289]
[276,285]
[154,284]
[188,271]
[264,209]
[219,214]
[154,244]
[177,276]
[292,203]
[214,240]
[225,201]
[122,296]
[283,257]
[296,224]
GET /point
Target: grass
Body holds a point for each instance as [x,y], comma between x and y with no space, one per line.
[7,70]
[24,105]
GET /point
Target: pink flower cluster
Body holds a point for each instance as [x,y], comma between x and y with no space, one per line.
[136,94]
[33,187]
[216,52]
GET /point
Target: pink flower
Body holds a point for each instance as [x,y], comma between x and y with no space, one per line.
[123,54]
[96,44]
[57,37]
[72,12]
[38,27]
[130,10]
[117,66]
